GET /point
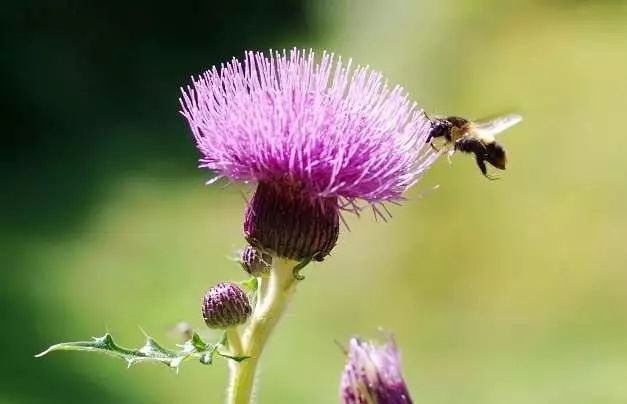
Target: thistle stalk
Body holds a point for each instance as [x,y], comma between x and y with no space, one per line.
[318,136]
[270,306]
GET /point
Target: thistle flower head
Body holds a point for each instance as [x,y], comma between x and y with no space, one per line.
[373,374]
[225,305]
[338,131]
[322,135]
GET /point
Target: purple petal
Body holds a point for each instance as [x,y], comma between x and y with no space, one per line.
[373,374]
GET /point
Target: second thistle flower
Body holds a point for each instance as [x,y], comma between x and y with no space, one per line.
[373,374]
[316,137]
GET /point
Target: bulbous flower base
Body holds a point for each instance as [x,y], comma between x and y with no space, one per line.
[283,220]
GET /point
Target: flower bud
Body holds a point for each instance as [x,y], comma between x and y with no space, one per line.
[254,261]
[225,305]
[283,219]
[373,374]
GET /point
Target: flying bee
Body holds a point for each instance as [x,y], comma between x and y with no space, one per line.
[466,136]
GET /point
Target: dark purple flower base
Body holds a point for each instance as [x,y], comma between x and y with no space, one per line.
[283,219]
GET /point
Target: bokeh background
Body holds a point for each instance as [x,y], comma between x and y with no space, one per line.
[512,291]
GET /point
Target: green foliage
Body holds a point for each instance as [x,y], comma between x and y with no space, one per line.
[250,285]
[151,351]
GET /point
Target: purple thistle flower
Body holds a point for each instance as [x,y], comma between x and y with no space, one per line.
[373,374]
[321,135]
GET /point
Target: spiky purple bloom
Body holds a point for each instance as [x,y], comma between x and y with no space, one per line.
[373,374]
[225,305]
[317,136]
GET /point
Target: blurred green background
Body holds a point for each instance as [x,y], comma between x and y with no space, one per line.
[512,291]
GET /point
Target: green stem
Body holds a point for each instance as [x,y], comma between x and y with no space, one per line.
[281,287]
[234,341]
[262,289]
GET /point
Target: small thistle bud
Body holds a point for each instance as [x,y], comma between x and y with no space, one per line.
[282,218]
[254,261]
[373,374]
[225,305]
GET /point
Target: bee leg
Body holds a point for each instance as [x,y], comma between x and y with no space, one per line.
[430,141]
[483,168]
[450,153]
[481,164]
[485,154]
[448,157]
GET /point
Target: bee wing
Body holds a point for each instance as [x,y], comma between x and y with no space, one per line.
[493,127]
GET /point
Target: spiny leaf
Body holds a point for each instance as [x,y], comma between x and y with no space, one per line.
[151,351]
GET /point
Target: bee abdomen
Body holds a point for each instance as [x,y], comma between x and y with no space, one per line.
[496,155]
[470,145]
